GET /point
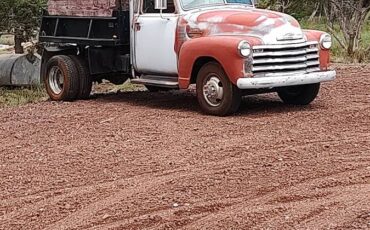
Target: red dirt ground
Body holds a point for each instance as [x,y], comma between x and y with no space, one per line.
[144,160]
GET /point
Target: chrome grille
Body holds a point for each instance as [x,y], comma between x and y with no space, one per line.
[272,60]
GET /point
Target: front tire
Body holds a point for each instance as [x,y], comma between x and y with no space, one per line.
[299,95]
[61,80]
[216,94]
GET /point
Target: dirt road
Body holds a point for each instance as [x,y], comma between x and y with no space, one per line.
[144,160]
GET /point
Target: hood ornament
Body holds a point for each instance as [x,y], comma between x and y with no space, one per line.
[290,36]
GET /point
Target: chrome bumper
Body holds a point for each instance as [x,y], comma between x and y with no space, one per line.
[290,80]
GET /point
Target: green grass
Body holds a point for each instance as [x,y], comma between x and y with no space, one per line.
[128,87]
[16,96]
[338,53]
[107,87]
[10,96]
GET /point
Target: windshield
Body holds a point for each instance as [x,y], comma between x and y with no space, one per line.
[248,2]
[191,4]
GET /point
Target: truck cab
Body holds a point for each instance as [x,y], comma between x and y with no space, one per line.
[228,49]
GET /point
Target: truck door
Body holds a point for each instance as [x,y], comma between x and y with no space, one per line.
[154,38]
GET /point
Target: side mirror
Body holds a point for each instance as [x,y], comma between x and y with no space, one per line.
[160,4]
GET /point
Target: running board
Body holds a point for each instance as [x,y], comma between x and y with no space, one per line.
[161,81]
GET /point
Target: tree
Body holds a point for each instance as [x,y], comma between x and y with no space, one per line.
[22,18]
[283,5]
[4,14]
[351,16]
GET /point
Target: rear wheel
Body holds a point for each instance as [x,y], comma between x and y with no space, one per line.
[216,94]
[61,80]
[85,79]
[154,89]
[299,95]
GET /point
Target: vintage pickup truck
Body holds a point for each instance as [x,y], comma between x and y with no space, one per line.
[227,49]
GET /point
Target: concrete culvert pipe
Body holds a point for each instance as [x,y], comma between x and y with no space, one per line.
[19,70]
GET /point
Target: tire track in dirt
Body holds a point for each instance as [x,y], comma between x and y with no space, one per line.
[125,193]
[122,161]
[88,189]
[277,148]
[266,201]
[148,178]
[139,182]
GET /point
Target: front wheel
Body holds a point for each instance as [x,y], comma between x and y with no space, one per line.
[216,94]
[299,95]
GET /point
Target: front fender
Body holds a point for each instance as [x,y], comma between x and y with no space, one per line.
[221,48]
[315,35]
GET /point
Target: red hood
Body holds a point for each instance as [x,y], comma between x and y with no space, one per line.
[266,25]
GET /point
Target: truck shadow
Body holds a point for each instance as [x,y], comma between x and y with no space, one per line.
[186,101]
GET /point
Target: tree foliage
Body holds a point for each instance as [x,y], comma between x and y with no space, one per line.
[349,15]
[21,17]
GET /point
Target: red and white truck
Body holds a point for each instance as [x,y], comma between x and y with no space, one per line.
[227,49]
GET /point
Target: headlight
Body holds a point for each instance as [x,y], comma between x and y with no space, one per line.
[244,49]
[325,41]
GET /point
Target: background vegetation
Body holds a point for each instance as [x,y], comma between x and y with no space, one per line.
[21,18]
[19,96]
[347,20]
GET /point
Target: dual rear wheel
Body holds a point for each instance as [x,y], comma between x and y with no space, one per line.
[67,78]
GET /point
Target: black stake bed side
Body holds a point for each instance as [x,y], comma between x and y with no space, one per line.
[104,42]
[88,31]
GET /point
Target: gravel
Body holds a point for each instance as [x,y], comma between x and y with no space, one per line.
[140,160]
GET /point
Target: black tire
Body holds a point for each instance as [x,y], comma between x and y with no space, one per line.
[85,79]
[230,99]
[61,80]
[299,95]
[117,79]
[155,89]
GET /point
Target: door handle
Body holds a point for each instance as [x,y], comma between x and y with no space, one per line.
[137,26]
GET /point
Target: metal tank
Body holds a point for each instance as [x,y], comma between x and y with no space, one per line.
[19,70]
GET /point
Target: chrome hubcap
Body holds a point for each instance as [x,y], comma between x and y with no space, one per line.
[213,91]
[56,80]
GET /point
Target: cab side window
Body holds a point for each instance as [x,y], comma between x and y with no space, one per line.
[148,7]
